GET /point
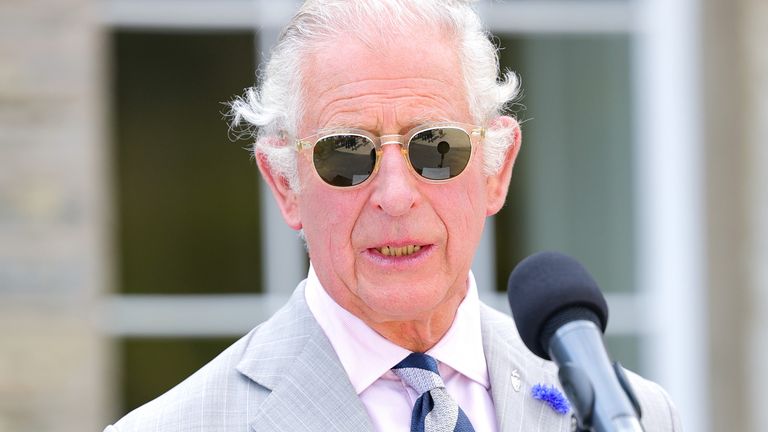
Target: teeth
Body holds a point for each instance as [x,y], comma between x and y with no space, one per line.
[399,251]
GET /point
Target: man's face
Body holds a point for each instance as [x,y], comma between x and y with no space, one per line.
[390,90]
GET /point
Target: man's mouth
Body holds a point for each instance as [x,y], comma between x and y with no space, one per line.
[399,251]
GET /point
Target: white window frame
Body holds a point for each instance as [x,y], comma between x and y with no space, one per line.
[668,158]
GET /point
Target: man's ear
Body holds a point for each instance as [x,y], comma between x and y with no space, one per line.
[497,184]
[286,198]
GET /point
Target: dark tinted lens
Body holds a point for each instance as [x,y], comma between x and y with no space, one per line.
[440,153]
[344,160]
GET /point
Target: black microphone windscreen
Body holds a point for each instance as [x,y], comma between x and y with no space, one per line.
[547,290]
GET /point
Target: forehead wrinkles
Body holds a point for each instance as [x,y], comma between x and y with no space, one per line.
[417,71]
[386,111]
[380,101]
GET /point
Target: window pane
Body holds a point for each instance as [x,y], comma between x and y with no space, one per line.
[572,185]
[626,350]
[187,197]
[150,367]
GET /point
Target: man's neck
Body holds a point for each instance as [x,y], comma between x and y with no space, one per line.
[416,336]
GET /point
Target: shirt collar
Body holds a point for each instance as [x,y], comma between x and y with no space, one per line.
[366,355]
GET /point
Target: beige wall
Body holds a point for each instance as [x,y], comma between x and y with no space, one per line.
[723,113]
[735,70]
[53,259]
[754,39]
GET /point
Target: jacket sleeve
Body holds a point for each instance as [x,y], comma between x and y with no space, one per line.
[659,412]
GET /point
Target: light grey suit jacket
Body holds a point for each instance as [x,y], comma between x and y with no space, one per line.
[285,376]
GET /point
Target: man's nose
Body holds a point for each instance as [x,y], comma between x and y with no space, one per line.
[395,188]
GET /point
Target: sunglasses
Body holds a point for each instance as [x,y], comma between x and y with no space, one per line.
[437,152]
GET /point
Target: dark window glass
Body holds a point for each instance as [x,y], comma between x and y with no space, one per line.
[626,350]
[186,196]
[572,187]
[150,367]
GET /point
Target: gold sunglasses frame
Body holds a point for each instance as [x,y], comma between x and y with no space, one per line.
[475,133]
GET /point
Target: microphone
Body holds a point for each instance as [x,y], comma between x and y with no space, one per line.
[561,315]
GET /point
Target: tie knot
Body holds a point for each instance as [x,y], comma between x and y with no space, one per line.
[419,371]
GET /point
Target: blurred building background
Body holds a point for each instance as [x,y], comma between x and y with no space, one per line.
[137,241]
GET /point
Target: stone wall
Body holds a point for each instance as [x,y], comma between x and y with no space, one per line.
[755,24]
[54,255]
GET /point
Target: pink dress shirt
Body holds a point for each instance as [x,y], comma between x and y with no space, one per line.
[367,357]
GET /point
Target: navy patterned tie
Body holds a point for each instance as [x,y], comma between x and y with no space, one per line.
[435,410]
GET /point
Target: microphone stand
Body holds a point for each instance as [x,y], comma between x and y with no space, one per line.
[580,389]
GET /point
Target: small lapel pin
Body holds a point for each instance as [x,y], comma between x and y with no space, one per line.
[550,395]
[516,383]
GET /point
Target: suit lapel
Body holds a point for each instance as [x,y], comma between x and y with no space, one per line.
[513,371]
[310,391]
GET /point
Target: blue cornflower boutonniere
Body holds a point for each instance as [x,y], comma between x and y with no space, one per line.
[550,395]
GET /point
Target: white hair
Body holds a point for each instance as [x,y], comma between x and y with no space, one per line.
[271,112]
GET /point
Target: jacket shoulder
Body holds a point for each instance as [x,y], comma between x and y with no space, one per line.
[222,394]
[658,410]
[213,388]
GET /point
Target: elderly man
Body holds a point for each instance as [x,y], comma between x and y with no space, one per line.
[382,138]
